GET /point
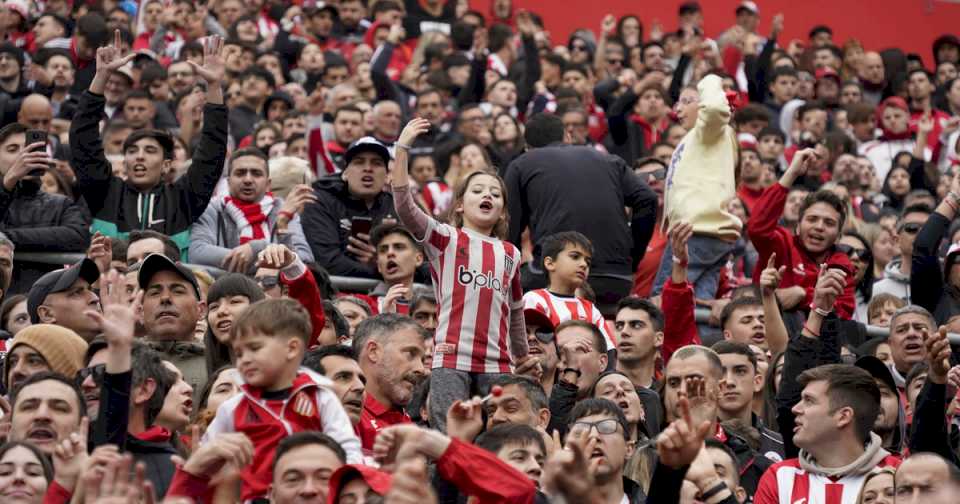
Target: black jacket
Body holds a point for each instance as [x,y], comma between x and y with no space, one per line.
[576,188]
[563,397]
[326,224]
[41,222]
[110,426]
[155,455]
[929,432]
[170,209]
[626,139]
[927,284]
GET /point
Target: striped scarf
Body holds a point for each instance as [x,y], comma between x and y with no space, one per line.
[251,218]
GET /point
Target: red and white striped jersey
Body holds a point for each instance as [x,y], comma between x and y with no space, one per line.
[787,483]
[476,279]
[563,308]
[437,196]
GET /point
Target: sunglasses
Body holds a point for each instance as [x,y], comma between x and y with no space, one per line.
[268,282]
[911,227]
[852,252]
[96,372]
[581,48]
[658,174]
[544,336]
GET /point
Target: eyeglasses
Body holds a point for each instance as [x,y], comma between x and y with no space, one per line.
[96,371]
[268,282]
[607,427]
[544,336]
[911,227]
[852,252]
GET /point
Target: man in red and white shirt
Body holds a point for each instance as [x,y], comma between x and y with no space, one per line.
[834,417]
[390,350]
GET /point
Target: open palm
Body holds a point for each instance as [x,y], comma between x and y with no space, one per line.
[214,65]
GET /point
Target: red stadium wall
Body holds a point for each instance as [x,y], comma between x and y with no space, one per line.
[911,25]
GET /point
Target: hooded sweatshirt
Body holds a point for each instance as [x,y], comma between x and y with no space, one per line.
[804,480]
[700,180]
[893,281]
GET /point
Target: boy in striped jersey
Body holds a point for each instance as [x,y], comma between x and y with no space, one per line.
[566,259]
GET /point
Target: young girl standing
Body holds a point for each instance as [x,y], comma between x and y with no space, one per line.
[476,277]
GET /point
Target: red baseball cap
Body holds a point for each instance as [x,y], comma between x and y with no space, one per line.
[378,480]
[825,72]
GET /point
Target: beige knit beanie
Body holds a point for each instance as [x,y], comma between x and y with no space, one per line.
[62,348]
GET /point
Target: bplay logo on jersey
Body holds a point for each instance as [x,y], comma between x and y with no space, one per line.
[477,280]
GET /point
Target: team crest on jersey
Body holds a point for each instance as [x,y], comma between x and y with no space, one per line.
[507,263]
[302,404]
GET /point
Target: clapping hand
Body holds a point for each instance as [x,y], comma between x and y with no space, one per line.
[465,419]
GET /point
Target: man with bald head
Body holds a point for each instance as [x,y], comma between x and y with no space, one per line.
[921,475]
[36,112]
[873,77]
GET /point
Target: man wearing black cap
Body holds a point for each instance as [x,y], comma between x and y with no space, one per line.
[60,297]
[348,205]
[143,200]
[171,308]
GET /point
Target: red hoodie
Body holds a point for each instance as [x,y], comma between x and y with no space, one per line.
[398,60]
[769,237]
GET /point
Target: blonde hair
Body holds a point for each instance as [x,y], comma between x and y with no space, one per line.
[877,471]
[455,218]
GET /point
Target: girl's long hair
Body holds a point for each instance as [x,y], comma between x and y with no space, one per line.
[455,218]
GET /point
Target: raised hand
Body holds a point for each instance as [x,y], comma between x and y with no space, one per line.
[925,125]
[776,26]
[394,294]
[397,34]
[525,24]
[680,233]
[771,276]
[830,285]
[114,485]
[411,484]
[608,25]
[111,57]
[802,161]
[682,440]
[465,419]
[70,456]
[412,130]
[938,355]
[211,458]
[31,158]
[118,319]
[214,65]
[276,256]
[101,251]
[297,199]
[570,472]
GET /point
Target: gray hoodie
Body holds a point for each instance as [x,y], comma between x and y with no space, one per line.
[215,234]
[894,282]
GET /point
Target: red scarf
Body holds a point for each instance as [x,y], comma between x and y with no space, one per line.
[651,132]
[154,434]
[251,218]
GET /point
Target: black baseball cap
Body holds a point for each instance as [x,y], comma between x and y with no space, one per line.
[155,263]
[367,144]
[878,370]
[59,281]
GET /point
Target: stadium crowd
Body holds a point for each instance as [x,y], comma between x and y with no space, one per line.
[644,264]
